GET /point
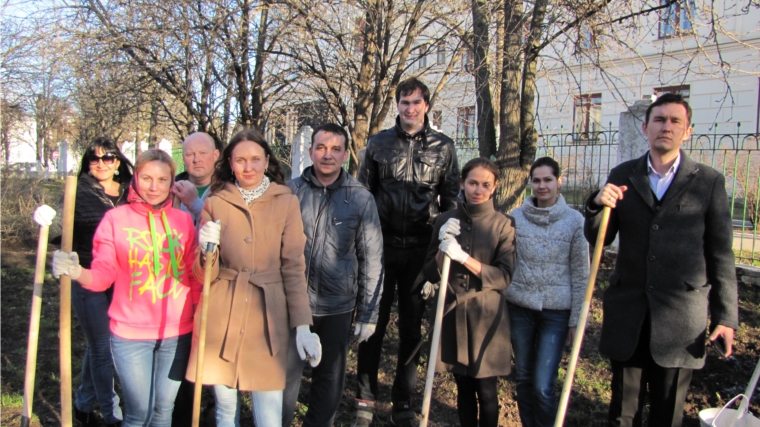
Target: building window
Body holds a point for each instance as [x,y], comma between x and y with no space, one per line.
[676,18]
[441,56]
[683,90]
[587,115]
[423,56]
[437,119]
[466,122]
[468,61]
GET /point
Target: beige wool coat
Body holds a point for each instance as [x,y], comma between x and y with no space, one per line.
[258,290]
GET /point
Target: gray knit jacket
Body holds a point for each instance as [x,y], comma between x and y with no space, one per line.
[552,259]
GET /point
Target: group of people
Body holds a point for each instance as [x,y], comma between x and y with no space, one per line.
[299,265]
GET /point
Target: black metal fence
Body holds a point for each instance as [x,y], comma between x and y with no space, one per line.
[587,158]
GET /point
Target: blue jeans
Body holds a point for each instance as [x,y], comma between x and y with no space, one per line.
[96,386]
[265,405]
[150,372]
[538,338]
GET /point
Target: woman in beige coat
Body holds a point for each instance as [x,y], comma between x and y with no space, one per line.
[258,290]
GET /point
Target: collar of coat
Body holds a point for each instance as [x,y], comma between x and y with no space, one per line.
[231,194]
[421,135]
[544,216]
[640,179]
[310,177]
[476,211]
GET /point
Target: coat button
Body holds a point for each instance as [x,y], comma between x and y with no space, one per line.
[650,288]
[655,227]
[467,248]
[651,258]
[469,221]
[469,228]
[248,240]
[659,208]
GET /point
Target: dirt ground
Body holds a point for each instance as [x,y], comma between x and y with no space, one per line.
[712,386]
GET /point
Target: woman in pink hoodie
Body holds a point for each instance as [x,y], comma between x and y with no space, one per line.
[145,249]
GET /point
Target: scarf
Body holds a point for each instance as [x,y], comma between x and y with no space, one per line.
[251,195]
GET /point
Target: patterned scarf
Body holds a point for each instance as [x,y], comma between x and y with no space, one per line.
[251,195]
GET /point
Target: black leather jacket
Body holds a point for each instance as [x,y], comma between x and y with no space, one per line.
[344,246]
[407,174]
[91,205]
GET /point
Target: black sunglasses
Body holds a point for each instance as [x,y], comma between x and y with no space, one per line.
[107,159]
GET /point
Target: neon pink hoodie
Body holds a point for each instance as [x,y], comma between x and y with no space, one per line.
[154,286]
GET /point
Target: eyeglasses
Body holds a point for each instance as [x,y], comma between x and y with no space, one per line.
[107,159]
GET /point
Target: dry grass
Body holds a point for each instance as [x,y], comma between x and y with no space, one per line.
[19,197]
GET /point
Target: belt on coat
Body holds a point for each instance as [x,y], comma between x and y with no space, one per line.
[236,324]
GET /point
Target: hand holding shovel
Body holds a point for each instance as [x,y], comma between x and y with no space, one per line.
[44,217]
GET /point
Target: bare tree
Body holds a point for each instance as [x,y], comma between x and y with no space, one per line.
[354,64]
[210,57]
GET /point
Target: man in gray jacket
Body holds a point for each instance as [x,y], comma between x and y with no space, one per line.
[344,270]
[674,262]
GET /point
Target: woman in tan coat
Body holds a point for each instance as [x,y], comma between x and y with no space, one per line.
[475,344]
[258,290]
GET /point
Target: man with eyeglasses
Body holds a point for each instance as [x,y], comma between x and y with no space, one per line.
[191,186]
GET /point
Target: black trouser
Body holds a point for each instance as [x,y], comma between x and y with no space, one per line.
[327,379]
[402,265]
[183,405]
[474,392]
[667,388]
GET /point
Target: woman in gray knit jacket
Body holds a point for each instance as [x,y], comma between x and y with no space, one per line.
[547,290]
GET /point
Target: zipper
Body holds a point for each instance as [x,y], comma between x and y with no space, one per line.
[407,178]
[325,202]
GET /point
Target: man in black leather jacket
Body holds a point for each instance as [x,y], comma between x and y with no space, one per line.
[412,171]
[344,271]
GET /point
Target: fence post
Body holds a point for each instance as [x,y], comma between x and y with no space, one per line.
[300,151]
[632,143]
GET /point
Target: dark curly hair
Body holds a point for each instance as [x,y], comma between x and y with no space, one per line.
[223,171]
[125,166]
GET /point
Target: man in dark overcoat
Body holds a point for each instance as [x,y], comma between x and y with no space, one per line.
[675,262]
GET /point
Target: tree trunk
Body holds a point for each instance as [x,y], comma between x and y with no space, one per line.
[483,98]
[512,180]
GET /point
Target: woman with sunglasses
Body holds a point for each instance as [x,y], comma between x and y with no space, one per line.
[145,249]
[104,176]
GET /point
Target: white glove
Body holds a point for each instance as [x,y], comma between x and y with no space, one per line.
[364,330]
[429,289]
[66,263]
[211,232]
[451,248]
[44,215]
[449,229]
[308,344]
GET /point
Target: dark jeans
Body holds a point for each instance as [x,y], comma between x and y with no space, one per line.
[327,379]
[97,385]
[477,400]
[538,338]
[630,378]
[402,265]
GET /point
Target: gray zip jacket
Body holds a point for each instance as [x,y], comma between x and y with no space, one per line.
[344,246]
[552,259]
